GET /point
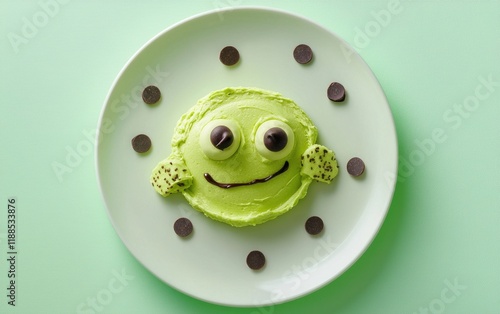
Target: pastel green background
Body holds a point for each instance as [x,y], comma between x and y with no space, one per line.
[439,248]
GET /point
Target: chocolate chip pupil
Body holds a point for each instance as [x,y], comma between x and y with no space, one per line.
[275,139]
[221,137]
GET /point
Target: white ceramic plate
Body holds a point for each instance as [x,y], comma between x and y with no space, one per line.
[183,61]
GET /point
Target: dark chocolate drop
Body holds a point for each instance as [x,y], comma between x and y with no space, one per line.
[336,92]
[256,260]
[275,139]
[141,143]
[151,95]
[229,56]
[303,54]
[221,137]
[355,166]
[314,225]
[183,227]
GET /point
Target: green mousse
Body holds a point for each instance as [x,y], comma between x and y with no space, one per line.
[244,156]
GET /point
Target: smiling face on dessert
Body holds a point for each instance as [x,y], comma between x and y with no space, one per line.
[238,155]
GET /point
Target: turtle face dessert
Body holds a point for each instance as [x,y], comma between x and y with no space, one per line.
[244,156]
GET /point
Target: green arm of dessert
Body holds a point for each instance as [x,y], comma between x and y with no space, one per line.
[171,176]
[319,163]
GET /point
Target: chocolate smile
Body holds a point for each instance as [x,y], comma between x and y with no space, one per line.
[211,180]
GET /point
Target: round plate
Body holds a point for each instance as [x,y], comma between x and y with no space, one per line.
[210,264]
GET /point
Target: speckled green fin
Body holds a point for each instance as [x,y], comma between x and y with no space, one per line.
[171,176]
[319,163]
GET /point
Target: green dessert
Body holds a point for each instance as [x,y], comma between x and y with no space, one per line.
[244,156]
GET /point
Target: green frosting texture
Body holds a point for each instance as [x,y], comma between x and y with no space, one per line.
[244,156]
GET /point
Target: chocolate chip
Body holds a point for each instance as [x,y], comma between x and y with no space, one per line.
[336,92]
[151,95]
[303,54]
[229,55]
[314,225]
[275,139]
[183,227]
[355,166]
[141,143]
[221,137]
[256,260]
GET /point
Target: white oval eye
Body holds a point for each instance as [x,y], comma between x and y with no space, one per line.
[219,139]
[274,139]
